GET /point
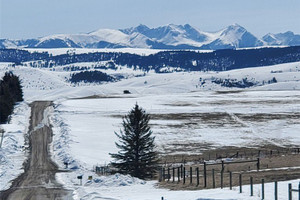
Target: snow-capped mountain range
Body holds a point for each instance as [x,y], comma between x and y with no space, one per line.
[164,37]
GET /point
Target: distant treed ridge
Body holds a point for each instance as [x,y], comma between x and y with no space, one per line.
[219,60]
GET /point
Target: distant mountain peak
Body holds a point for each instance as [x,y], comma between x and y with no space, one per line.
[187,26]
[287,38]
[234,28]
[169,36]
[236,25]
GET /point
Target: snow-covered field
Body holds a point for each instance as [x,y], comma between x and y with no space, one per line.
[182,123]
[184,111]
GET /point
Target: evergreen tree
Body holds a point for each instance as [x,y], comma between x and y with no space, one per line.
[136,155]
[13,83]
[10,93]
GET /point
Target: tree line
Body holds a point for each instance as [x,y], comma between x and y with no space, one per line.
[10,93]
[219,60]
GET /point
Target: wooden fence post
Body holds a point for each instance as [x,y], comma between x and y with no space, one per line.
[240,181]
[191,175]
[213,178]
[262,188]
[251,186]
[230,180]
[169,175]
[178,173]
[181,169]
[164,175]
[197,172]
[290,191]
[299,190]
[205,181]
[160,175]
[222,179]
[183,175]
[223,165]
[275,190]
[173,172]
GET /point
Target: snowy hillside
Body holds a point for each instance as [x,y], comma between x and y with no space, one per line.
[45,83]
[170,36]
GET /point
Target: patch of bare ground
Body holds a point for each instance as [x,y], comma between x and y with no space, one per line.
[218,118]
[233,102]
[223,117]
[105,97]
[229,91]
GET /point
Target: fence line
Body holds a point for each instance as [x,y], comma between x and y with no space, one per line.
[291,190]
[240,184]
[237,155]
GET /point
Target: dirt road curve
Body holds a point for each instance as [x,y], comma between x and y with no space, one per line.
[38,181]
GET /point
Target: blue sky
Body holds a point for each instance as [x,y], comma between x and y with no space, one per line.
[34,18]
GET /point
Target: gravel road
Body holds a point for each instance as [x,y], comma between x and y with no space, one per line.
[38,180]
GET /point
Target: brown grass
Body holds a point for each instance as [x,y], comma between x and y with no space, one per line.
[279,165]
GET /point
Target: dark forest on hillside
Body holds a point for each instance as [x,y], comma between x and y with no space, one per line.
[219,60]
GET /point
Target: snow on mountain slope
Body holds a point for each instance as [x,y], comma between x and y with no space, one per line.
[101,38]
[173,35]
[59,41]
[288,38]
[234,36]
[111,36]
[170,36]
[6,43]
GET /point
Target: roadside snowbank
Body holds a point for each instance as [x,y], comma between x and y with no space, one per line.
[60,149]
[12,153]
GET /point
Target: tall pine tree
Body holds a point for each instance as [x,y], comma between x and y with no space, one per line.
[136,155]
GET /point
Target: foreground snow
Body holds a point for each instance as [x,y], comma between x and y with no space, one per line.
[12,154]
[121,187]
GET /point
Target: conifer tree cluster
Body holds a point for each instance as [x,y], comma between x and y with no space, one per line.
[10,93]
[91,77]
[136,155]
